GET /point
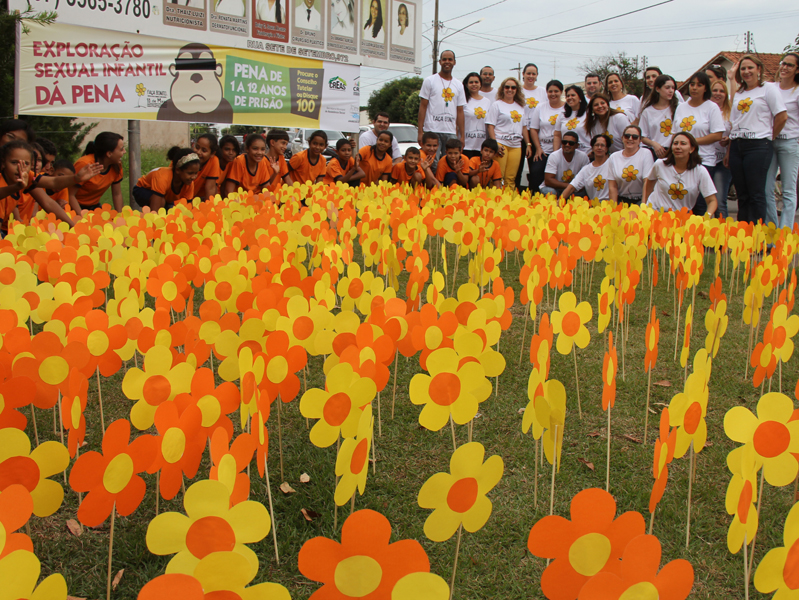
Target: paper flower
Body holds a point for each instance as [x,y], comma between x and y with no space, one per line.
[686,338]
[606,295]
[15,393]
[590,543]
[352,462]
[111,478]
[16,506]
[19,572]
[687,412]
[541,346]
[638,576]
[770,440]
[764,359]
[283,362]
[73,405]
[364,565]
[552,415]
[629,173]
[652,339]
[180,447]
[739,501]
[421,586]
[535,393]
[209,525]
[251,372]
[102,340]
[777,571]
[31,469]
[664,454]
[610,367]
[459,497]
[228,463]
[338,407]
[785,328]
[716,325]
[569,323]
[215,403]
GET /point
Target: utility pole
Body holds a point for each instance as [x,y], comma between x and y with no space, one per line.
[748,42]
[436,26]
[554,68]
[518,71]
[643,71]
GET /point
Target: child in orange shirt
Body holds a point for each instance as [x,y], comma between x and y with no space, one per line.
[277,141]
[428,153]
[207,183]
[61,168]
[484,170]
[344,167]
[164,186]
[250,170]
[376,160]
[309,166]
[409,171]
[229,149]
[454,168]
[107,149]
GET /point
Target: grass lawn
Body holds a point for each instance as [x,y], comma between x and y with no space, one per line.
[494,562]
[150,159]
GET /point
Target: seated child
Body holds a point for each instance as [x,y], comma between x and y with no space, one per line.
[485,170]
[428,158]
[344,167]
[454,169]
[409,171]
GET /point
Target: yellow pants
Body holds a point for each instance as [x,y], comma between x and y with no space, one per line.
[509,165]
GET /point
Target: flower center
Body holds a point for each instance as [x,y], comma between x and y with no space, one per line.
[358,576]
[337,408]
[744,502]
[589,554]
[445,389]
[692,417]
[433,337]
[53,370]
[19,469]
[302,328]
[173,445]
[640,591]
[277,369]
[790,572]
[97,343]
[169,291]
[571,323]
[210,409]
[210,534]
[157,390]
[771,439]
[462,495]
[118,473]
[359,456]
[355,288]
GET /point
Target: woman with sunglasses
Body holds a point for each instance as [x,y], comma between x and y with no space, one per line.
[758,117]
[657,115]
[593,179]
[600,117]
[786,144]
[504,124]
[628,168]
[720,173]
[573,118]
[625,103]
[539,132]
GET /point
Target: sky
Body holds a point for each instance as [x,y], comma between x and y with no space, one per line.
[678,36]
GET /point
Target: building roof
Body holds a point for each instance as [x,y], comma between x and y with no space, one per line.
[771,64]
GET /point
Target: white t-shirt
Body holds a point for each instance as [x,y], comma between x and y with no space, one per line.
[536,97]
[443,97]
[544,119]
[594,180]
[615,129]
[474,120]
[720,151]
[753,112]
[699,122]
[507,121]
[577,125]
[673,190]
[368,138]
[791,100]
[630,105]
[629,172]
[564,170]
[656,125]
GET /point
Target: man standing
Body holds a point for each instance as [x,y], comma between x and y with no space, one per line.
[369,138]
[487,77]
[441,105]
[307,17]
[592,85]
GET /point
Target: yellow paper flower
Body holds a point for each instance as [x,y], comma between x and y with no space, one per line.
[516,116]
[606,297]
[686,338]
[19,572]
[32,469]
[226,575]
[599,182]
[629,173]
[421,586]
[209,525]
[338,407]
[677,191]
[785,328]
[352,462]
[552,415]
[743,105]
[739,501]
[569,323]
[716,326]
[567,176]
[535,393]
[665,127]
[451,388]
[777,571]
[687,412]
[459,497]
[769,440]
[687,124]
[480,113]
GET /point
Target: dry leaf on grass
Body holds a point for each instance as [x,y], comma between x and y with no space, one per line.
[653,411]
[309,514]
[593,434]
[664,313]
[117,578]
[520,411]
[74,527]
[75,598]
[286,488]
[632,439]
[586,463]
[305,478]
[663,383]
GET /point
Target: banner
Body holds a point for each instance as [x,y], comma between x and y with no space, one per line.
[79,71]
[375,33]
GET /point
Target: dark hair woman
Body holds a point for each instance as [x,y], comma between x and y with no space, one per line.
[539,126]
[474,115]
[573,118]
[657,115]
[107,149]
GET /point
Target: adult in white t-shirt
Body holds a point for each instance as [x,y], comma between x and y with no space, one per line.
[657,115]
[758,116]
[534,96]
[369,138]
[629,167]
[786,145]
[650,75]
[504,124]
[487,77]
[539,132]
[619,98]
[601,118]
[593,178]
[441,104]
[573,119]
[563,165]
[474,115]
[722,178]
[675,182]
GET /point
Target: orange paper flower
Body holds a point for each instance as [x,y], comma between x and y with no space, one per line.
[228,463]
[610,367]
[16,506]
[652,340]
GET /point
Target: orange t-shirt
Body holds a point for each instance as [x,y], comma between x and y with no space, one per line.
[89,192]
[210,170]
[486,177]
[334,169]
[284,170]
[444,168]
[303,171]
[400,174]
[240,174]
[373,167]
[21,200]
[160,181]
[61,196]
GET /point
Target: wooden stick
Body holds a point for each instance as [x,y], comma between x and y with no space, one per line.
[335,506]
[455,564]
[394,394]
[746,571]
[690,488]
[352,503]
[524,331]
[33,420]
[110,552]
[379,418]
[157,481]
[535,481]
[754,537]
[577,380]
[646,410]
[554,467]
[280,436]
[452,427]
[652,521]
[607,475]
[271,508]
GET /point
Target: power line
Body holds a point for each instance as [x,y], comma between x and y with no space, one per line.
[478,10]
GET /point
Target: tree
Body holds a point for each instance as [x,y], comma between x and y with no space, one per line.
[794,47]
[398,98]
[620,63]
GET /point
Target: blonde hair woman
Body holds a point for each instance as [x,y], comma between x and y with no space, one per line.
[504,124]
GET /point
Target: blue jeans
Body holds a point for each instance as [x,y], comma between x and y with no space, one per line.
[786,157]
[749,164]
[721,177]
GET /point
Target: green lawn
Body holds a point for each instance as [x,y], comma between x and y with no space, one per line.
[150,159]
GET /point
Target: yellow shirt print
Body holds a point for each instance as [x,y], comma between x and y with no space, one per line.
[743,105]
[553,119]
[572,123]
[532,102]
[688,123]
[599,183]
[567,176]
[677,191]
[629,173]
[447,94]
[515,116]
[480,112]
[665,127]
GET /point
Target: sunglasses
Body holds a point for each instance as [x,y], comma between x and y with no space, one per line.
[631,136]
[569,143]
[510,87]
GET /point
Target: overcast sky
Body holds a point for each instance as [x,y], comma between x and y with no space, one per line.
[677,36]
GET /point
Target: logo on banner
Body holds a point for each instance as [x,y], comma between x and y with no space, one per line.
[356,88]
[337,83]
